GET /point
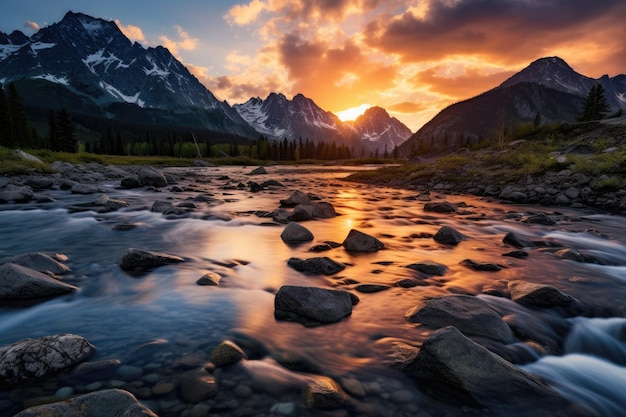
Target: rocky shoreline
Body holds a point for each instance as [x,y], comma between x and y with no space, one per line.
[468,359]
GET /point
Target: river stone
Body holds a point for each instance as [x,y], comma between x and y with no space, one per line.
[294,232]
[210,278]
[201,163]
[306,304]
[316,266]
[570,255]
[361,242]
[440,207]
[480,266]
[141,259]
[38,261]
[429,267]
[130,182]
[150,176]
[39,183]
[469,314]
[83,189]
[371,288]
[296,198]
[302,213]
[448,235]
[517,241]
[19,282]
[323,393]
[33,359]
[227,353]
[324,210]
[454,367]
[109,204]
[107,403]
[160,206]
[17,194]
[539,295]
[258,171]
[540,218]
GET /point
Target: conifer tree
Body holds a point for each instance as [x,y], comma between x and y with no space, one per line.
[65,132]
[5,121]
[595,106]
[20,132]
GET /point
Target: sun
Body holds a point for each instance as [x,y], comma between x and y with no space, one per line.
[353,112]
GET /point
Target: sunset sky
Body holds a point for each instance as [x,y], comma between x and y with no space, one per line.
[411,57]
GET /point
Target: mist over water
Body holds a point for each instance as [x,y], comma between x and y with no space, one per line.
[119,313]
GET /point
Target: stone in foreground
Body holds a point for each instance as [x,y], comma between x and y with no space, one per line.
[295,233]
[33,359]
[311,306]
[469,314]
[448,236]
[227,353]
[143,259]
[429,267]
[361,242]
[316,266]
[19,282]
[107,403]
[540,295]
[323,393]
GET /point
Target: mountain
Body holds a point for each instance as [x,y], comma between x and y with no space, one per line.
[88,66]
[546,91]
[278,117]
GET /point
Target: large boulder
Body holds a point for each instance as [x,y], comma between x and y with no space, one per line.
[139,259]
[316,266]
[33,359]
[323,393]
[469,314]
[107,403]
[16,194]
[150,176]
[38,261]
[361,242]
[453,367]
[296,198]
[517,241]
[295,233]
[540,295]
[19,282]
[324,210]
[448,235]
[311,305]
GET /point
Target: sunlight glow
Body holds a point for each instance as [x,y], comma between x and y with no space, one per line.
[353,112]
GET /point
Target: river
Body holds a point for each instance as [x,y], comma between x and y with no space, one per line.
[162,321]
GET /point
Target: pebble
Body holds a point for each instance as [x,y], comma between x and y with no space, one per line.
[64,392]
[94,386]
[200,410]
[284,409]
[152,378]
[163,389]
[129,373]
[401,396]
[243,391]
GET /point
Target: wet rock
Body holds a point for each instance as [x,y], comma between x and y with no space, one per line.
[39,183]
[322,247]
[144,259]
[540,218]
[519,254]
[311,305]
[27,156]
[161,206]
[295,233]
[130,182]
[198,387]
[453,367]
[316,266]
[469,314]
[19,282]
[149,176]
[38,261]
[33,359]
[271,183]
[481,266]
[107,403]
[282,216]
[371,288]
[200,163]
[517,241]
[361,242]
[84,189]
[429,267]
[323,210]
[109,204]
[101,369]
[570,255]
[539,295]
[16,194]
[323,393]
[296,198]
[255,187]
[258,171]
[513,195]
[448,235]
[210,278]
[227,353]
[302,213]
[441,207]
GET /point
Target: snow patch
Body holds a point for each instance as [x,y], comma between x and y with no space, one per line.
[7,50]
[37,46]
[118,94]
[92,26]
[155,70]
[93,60]
[53,79]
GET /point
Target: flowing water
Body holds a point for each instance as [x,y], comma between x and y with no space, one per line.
[165,324]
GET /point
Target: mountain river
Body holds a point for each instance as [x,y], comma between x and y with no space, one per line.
[161,324]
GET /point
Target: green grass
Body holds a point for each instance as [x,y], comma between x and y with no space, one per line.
[12,164]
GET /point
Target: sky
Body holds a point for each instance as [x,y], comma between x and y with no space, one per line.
[411,57]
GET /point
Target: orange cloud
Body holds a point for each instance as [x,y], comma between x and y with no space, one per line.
[32,25]
[186,42]
[132,32]
[407,107]
[471,83]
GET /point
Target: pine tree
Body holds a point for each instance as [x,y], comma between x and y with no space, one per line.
[5,121]
[595,106]
[53,132]
[20,132]
[65,132]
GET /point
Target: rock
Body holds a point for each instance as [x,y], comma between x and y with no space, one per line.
[271,183]
[34,359]
[151,177]
[130,182]
[258,171]
[540,295]
[519,254]
[107,403]
[309,304]
[429,267]
[324,210]
[302,213]
[109,204]
[283,409]
[323,393]
[227,353]
[449,236]
[19,282]
[361,242]
[481,266]
[441,207]
[469,314]
[513,195]
[572,193]
[296,198]
[371,288]
[163,388]
[353,387]
[39,262]
[198,387]
[83,189]
[455,368]
[570,255]
[39,183]
[144,259]
[210,278]
[203,164]
[517,241]
[27,156]
[16,194]
[540,218]
[294,233]
[161,206]
[316,266]
[561,200]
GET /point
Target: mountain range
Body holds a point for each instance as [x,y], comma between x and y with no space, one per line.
[88,66]
[546,91]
